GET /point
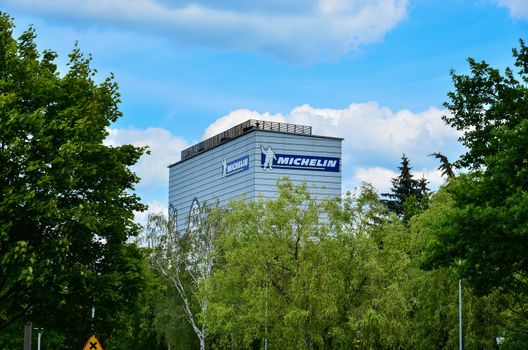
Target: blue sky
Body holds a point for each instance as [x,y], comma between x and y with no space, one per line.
[375,72]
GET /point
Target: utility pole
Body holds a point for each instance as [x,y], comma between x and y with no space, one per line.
[27,336]
[93,319]
[266,329]
[459,313]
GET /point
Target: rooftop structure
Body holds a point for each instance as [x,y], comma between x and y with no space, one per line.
[241,129]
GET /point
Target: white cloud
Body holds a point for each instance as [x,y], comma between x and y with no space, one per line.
[294,30]
[379,177]
[371,127]
[237,117]
[434,176]
[152,168]
[518,8]
[375,138]
[164,150]
[367,128]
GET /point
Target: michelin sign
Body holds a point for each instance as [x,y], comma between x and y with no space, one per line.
[271,160]
[235,166]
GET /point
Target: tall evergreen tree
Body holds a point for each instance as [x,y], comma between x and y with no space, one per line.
[403,187]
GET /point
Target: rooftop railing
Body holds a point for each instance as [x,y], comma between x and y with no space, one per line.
[242,129]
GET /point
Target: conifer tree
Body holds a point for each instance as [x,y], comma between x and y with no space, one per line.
[403,187]
[445,166]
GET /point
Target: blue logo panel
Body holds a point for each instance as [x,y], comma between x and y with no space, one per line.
[300,162]
[234,167]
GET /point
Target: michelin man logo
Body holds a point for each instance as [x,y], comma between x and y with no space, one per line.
[270,157]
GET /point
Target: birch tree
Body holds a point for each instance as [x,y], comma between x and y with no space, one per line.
[185,259]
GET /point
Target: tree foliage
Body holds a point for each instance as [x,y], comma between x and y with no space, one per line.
[66,200]
[407,193]
[295,274]
[445,167]
[486,233]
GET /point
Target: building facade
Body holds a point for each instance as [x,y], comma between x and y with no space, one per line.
[247,160]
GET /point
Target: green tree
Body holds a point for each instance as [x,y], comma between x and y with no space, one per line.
[406,307]
[486,234]
[286,277]
[66,200]
[280,277]
[406,189]
[488,231]
[290,279]
[445,167]
[138,326]
[435,311]
[170,322]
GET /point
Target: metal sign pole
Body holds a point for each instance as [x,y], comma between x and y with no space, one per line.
[40,331]
[93,318]
[27,336]
[459,313]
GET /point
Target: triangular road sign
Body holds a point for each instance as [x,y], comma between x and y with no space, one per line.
[93,344]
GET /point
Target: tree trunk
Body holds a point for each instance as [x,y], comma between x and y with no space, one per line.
[202,342]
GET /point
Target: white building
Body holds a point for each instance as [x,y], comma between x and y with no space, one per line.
[247,160]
